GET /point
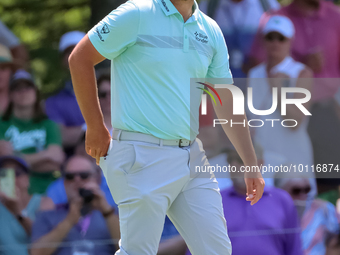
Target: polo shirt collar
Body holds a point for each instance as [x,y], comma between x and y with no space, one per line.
[169,9]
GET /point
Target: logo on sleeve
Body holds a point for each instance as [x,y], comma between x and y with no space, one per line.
[201,37]
[104,31]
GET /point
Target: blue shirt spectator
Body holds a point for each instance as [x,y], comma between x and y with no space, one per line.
[56,191]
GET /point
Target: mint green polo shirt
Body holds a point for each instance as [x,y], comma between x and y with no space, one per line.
[154,54]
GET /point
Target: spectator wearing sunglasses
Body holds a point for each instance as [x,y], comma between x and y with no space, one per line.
[56,191]
[281,70]
[85,225]
[18,213]
[272,225]
[318,217]
[317,45]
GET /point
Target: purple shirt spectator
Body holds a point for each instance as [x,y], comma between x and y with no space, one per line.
[271,227]
[92,232]
[319,31]
[63,107]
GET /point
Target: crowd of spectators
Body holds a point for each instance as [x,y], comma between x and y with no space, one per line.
[60,203]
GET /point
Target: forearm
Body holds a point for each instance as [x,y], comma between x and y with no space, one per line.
[46,245]
[35,158]
[84,84]
[26,223]
[53,153]
[112,222]
[238,134]
[71,135]
[173,246]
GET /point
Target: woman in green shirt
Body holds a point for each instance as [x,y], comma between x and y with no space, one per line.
[25,129]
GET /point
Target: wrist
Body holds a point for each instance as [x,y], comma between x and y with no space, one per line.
[71,220]
[108,212]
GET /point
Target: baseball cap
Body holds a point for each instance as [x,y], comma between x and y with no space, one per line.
[17,159]
[21,75]
[69,39]
[6,57]
[280,24]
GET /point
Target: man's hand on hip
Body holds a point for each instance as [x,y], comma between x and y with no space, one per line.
[97,141]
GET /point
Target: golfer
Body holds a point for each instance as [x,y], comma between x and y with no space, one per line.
[156,47]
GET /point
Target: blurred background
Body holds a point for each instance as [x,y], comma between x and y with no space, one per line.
[45,171]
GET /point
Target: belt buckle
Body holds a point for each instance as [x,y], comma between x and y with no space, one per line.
[181,141]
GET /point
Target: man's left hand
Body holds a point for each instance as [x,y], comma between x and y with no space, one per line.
[255,187]
[99,202]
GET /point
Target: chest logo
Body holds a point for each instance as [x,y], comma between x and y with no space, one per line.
[201,37]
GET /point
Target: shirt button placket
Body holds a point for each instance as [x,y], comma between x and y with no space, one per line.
[185,40]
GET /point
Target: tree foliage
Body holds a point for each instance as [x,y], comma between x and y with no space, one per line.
[39,24]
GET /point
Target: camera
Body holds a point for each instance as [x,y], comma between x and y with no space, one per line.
[87,196]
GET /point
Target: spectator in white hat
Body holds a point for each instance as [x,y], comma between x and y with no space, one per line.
[281,70]
[17,49]
[63,107]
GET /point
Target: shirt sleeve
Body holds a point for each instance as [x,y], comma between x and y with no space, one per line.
[7,38]
[53,134]
[219,66]
[117,31]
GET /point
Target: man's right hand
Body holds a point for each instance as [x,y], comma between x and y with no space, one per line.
[97,141]
[74,214]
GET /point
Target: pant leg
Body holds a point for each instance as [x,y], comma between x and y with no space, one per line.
[144,180]
[198,216]
[197,211]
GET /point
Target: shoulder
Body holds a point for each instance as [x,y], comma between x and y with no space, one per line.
[281,196]
[145,5]
[306,72]
[255,71]
[46,204]
[211,26]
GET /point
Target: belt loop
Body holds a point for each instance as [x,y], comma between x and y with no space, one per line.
[119,134]
[161,142]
